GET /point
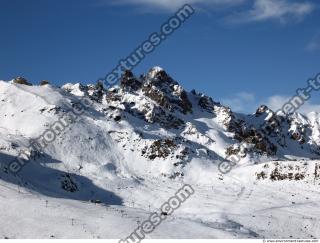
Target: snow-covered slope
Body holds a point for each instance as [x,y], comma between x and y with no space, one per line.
[133,145]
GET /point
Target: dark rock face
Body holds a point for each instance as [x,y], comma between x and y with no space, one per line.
[246,133]
[261,110]
[113,96]
[232,151]
[207,103]
[129,82]
[161,88]
[44,82]
[253,136]
[167,120]
[159,78]
[21,80]
[96,92]
[157,95]
[160,149]
[184,102]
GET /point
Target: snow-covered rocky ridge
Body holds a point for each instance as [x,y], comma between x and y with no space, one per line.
[139,141]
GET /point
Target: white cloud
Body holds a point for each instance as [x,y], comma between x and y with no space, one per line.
[314,44]
[261,10]
[241,102]
[276,102]
[171,5]
[247,103]
[280,10]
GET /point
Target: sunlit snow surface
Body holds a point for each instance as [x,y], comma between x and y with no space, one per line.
[103,157]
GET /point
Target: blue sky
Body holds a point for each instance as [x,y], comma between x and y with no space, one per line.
[240,52]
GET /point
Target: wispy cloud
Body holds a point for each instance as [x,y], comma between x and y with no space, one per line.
[171,5]
[241,102]
[248,103]
[314,44]
[276,102]
[279,10]
[258,10]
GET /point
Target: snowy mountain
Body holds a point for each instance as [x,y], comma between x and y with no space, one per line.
[130,148]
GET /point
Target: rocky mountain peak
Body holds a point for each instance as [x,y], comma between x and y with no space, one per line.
[129,81]
[155,72]
[195,121]
[263,109]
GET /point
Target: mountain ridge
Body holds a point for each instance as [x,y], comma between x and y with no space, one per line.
[197,125]
[133,145]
